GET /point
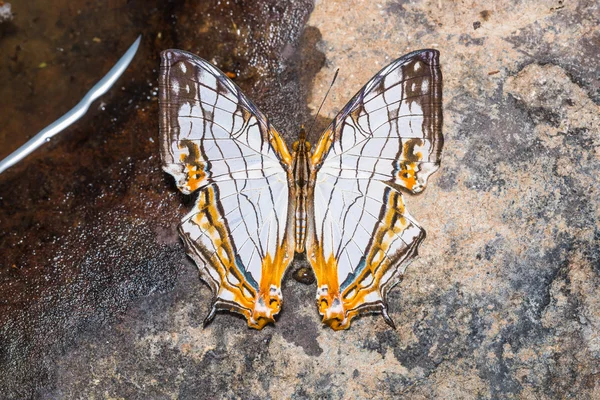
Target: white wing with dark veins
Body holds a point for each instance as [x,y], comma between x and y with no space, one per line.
[215,141]
[388,139]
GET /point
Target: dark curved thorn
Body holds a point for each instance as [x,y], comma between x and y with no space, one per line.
[210,316]
[387,318]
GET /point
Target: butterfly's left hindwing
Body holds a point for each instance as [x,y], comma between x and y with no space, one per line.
[215,142]
[388,139]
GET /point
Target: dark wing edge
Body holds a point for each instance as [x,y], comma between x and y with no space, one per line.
[169,128]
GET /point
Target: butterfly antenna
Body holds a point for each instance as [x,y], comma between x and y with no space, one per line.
[323,102]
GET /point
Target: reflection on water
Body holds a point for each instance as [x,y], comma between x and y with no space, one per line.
[52,53]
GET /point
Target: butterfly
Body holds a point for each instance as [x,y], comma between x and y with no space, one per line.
[340,202]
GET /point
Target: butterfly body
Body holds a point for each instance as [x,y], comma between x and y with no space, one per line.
[301,189]
[339,202]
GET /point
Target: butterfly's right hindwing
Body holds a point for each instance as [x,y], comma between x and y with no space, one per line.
[214,141]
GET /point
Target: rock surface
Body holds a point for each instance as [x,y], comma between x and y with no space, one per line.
[98,300]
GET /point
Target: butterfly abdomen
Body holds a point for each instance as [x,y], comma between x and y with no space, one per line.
[301,173]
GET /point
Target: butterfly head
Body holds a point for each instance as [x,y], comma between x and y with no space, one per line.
[302,134]
[301,145]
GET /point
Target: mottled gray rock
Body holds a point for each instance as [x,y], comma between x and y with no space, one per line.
[502,301]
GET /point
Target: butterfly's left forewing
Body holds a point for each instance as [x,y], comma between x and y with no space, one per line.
[388,139]
[214,141]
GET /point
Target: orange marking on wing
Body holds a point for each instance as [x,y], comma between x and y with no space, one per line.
[269,133]
[223,261]
[329,300]
[408,168]
[279,146]
[196,176]
[268,300]
[407,174]
[322,147]
[194,165]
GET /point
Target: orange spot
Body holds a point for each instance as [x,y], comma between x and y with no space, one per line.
[329,301]
[267,302]
[406,175]
[195,176]
[322,147]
